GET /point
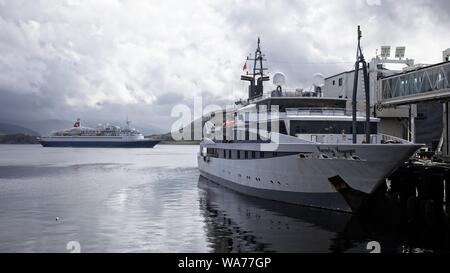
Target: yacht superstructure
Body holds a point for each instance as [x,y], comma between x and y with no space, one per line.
[298,147]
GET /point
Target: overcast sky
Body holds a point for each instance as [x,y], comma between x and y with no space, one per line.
[106,59]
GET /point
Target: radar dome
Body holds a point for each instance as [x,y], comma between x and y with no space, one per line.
[279,79]
[318,80]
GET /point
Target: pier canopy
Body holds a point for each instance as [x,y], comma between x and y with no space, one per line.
[424,84]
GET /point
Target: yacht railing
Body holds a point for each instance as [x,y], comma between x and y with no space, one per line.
[289,93]
[322,111]
[386,139]
[348,138]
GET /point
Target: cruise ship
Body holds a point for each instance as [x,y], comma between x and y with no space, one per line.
[107,136]
[312,158]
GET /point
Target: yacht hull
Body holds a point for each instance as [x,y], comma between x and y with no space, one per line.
[310,179]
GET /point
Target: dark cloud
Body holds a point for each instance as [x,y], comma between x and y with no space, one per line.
[105,60]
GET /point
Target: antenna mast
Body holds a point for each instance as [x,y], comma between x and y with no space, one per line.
[360,60]
[257,77]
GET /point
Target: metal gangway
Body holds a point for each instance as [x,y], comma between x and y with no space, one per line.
[422,84]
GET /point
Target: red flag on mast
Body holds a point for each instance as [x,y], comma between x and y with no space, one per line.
[245,66]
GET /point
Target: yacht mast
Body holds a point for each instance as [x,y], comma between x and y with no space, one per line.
[258,76]
[360,60]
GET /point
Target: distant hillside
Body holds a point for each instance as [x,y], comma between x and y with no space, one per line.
[18,139]
[44,127]
[6,128]
[168,139]
[162,137]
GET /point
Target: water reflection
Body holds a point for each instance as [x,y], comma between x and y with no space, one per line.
[240,223]
[130,200]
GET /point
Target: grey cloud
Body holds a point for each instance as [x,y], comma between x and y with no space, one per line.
[103,60]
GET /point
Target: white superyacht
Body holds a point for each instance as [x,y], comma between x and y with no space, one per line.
[310,159]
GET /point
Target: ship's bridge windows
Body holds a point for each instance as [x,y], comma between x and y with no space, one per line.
[329,127]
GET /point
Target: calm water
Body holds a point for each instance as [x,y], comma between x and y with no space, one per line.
[152,200]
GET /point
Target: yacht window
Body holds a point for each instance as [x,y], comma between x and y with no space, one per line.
[334,82]
[246,154]
[282,128]
[299,130]
[329,127]
[234,154]
[253,154]
[340,81]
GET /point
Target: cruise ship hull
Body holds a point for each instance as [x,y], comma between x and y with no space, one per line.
[101,144]
[329,182]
